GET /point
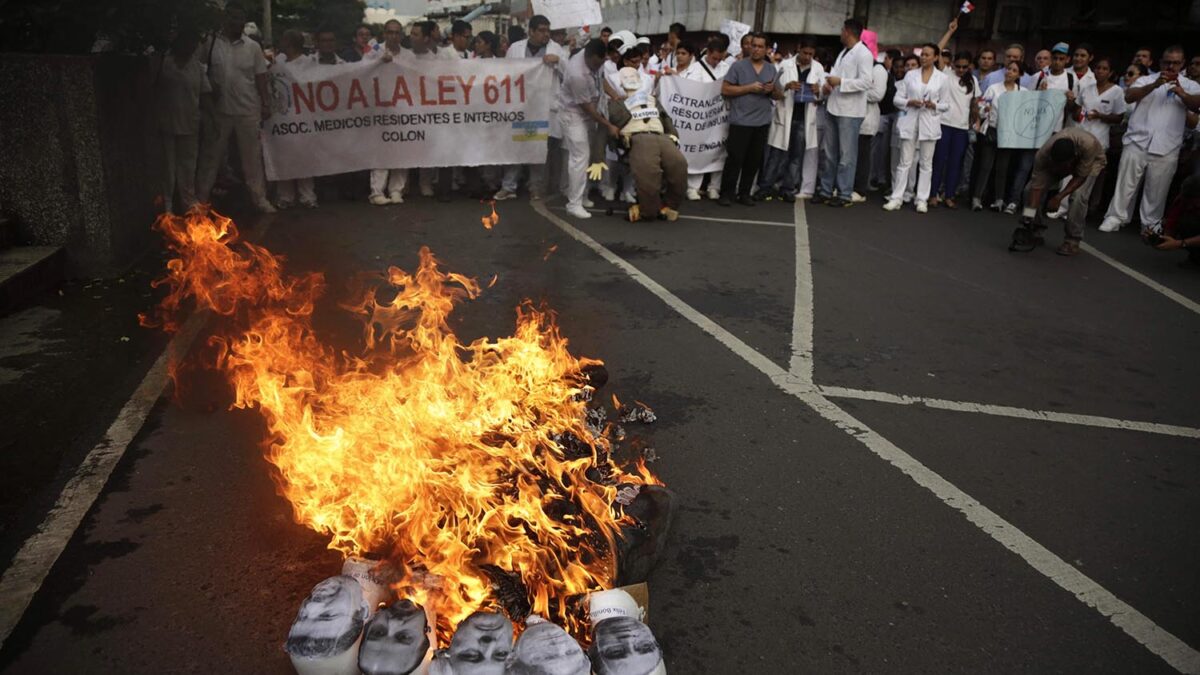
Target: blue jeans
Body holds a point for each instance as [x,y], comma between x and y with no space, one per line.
[783,166]
[841,156]
[948,161]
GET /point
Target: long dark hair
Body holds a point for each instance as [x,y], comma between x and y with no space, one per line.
[967,79]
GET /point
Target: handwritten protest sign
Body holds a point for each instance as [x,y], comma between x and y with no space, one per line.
[735,30]
[569,13]
[408,113]
[701,117]
[1026,119]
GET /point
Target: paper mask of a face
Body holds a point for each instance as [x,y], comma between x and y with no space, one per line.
[546,649]
[481,645]
[396,640]
[623,645]
[330,619]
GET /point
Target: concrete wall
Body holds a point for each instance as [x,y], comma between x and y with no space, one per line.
[78,165]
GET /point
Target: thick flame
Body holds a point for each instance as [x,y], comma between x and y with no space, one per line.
[448,459]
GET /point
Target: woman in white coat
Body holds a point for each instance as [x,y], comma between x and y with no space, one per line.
[921,106]
[793,129]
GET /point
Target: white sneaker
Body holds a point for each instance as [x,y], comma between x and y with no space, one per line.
[628,198]
[1110,225]
[1060,213]
[693,195]
[379,200]
[587,203]
[976,204]
[578,212]
[922,207]
[609,194]
[998,205]
[426,190]
[892,205]
[396,197]
[1011,208]
[714,193]
[504,194]
[856,198]
[264,207]
[804,195]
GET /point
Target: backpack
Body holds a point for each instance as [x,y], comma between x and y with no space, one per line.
[888,105]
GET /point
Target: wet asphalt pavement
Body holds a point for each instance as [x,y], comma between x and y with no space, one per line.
[795,549]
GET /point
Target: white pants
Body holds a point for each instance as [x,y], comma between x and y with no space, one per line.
[808,175]
[179,169]
[575,142]
[285,191]
[695,180]
[1159,170]
[244,129]
[386,182]
[908,148]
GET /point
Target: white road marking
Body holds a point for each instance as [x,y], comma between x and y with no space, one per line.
[1137,625]
[682,216]
[1138,276]
[40,551]
[1009,411]
[801,364]
[29,567]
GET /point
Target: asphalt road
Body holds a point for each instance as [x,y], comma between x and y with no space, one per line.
[798,548]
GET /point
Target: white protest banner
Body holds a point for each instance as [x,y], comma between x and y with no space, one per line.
[701,117]
[329,119]
[569,13]
[1026,119]
[735,30]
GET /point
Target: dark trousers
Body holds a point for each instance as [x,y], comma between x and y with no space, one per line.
[948,161]
[743,156]
[862,169]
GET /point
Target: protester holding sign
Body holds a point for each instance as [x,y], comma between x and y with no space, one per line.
[921,103]
[709,67]
[537,45]
[387,185]
[989,153]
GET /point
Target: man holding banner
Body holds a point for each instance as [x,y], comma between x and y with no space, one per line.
[537,45]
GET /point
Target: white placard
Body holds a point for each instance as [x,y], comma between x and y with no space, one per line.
[569,13]
[736,30]
[701,116]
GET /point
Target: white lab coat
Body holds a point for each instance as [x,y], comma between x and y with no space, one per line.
[780,133]
[921,123]
[875,94]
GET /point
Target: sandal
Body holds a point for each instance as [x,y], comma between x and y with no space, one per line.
[950,204]
[934,202]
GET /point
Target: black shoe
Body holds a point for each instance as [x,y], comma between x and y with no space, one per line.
[839,203]
[788,197]
[724,201]
[818,199]
[766,195]
[746,200]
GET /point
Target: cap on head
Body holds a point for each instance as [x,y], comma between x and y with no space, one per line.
[631,79]
[1061,48]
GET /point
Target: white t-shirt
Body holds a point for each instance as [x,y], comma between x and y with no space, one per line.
[989,104]
[232,67]
[1062,82]
[1111,102]
[959,114]
[697,71]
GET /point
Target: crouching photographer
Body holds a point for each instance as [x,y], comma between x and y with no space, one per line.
[1181,227]
[1073,154]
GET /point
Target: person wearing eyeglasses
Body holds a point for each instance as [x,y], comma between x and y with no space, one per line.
[1152,142]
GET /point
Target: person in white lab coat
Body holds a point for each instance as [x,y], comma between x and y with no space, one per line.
[846,88]
[921,106]
[793,129]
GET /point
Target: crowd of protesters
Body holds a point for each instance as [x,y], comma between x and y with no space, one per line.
[917,125]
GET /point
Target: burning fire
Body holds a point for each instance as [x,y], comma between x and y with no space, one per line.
[451,460]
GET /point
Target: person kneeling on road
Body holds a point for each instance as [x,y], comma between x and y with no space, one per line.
[1181,227]
[1071,152]
[654,156]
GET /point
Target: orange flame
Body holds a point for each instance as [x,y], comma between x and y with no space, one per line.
[490,221]
[447,458]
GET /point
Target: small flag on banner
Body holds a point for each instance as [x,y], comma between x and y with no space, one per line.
[966,8]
